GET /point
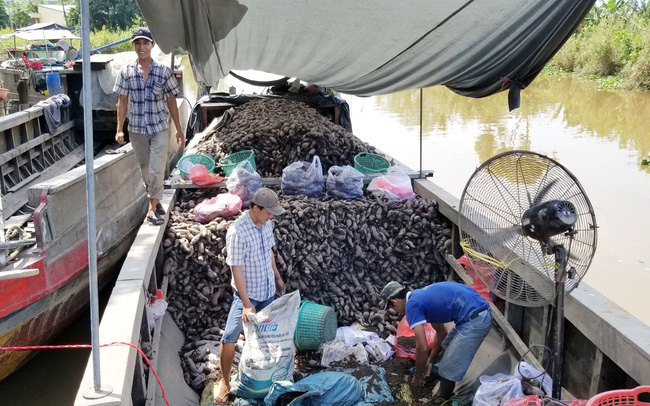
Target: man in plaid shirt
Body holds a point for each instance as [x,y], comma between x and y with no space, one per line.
[249,242]
[148,94]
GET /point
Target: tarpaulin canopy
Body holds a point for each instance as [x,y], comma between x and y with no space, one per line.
[475,47]
[44,26]
[39,35]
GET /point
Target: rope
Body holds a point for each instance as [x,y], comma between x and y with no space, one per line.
[483,257]
[78,346]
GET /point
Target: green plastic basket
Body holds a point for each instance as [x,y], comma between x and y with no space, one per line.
[196,159]
[365,162]
[316,325]
[229,163]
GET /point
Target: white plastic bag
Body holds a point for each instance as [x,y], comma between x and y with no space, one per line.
[529,371]
[244,182]
[334,351]
[497,390]
[267,356]
[394,185]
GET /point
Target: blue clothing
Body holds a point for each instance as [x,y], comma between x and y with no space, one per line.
[443,302]
[250,247]
[461,344]
[234,323]
[147,111]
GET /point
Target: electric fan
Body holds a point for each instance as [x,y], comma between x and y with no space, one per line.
[528,231]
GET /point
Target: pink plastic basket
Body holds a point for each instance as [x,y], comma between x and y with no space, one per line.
[639,396]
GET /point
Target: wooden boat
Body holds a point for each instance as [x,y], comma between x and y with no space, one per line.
[606,348]
[46,287]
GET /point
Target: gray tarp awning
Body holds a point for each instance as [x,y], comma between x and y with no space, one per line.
[475,47]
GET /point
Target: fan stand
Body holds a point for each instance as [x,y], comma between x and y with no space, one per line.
[558,354]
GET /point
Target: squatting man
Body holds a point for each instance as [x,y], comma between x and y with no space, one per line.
[437,304]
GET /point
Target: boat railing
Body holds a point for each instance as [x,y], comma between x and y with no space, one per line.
[28,152]
[125,321]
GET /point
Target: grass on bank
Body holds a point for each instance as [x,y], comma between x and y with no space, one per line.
[615,53]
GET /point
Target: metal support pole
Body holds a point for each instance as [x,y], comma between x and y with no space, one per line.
[421,133]
[97,391]
[558,353]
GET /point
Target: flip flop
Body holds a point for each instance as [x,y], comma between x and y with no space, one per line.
[224,400]
[159,209]
[155,219]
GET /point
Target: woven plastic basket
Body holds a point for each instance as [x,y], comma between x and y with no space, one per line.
[229,163]
[365,162]
[639,396]
[196,159]
[316,325]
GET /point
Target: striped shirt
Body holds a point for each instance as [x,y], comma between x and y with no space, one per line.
[147,111]
[250,247]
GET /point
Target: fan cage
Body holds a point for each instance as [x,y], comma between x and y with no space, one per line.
[515,267]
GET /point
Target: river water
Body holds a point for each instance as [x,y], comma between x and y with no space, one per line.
[600,136]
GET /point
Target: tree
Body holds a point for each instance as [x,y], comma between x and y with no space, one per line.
[4,16]
[19,13]
[111,14]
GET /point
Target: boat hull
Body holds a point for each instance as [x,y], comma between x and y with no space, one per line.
[42,321]
[33,310]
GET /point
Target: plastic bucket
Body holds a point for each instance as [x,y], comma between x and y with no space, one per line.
[53,83]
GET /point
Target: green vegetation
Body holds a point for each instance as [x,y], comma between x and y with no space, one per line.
[612,47]
[111,14]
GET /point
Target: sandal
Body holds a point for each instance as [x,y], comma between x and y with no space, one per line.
[224,400]
[159,209]
[155,219]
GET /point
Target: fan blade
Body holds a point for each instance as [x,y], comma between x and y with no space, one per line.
[508,234]
[543,192]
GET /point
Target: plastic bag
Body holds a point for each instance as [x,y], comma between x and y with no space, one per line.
[303,178]
[478,284]
[222,205]
[200,176]
[267,356]
[497,390]
[322,388]
[334,351]
[394,185]
[403,330]
[244,182]
[344,182]
[528,371]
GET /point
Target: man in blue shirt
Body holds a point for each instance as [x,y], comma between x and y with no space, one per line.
[437,304]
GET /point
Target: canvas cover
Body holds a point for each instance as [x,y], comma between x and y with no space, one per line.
[369,47]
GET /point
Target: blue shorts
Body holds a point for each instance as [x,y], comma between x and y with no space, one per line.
[234,322]
[461,345]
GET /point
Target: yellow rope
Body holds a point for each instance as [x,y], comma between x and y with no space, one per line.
[481,256]
[465,245]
